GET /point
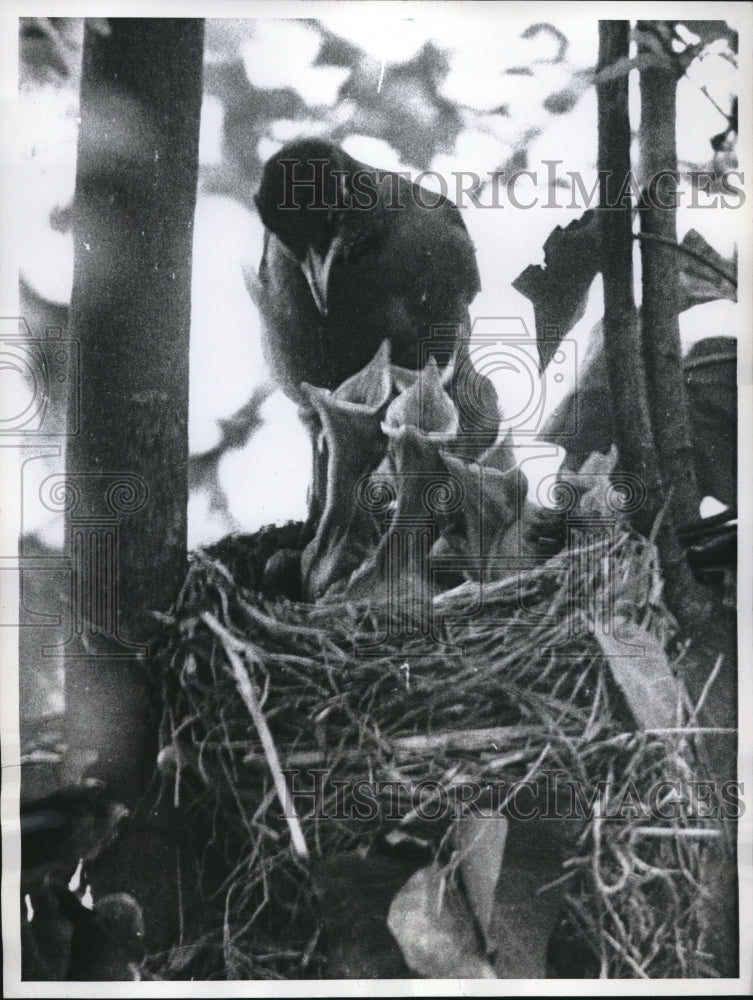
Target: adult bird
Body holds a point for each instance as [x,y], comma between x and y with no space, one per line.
[354,255]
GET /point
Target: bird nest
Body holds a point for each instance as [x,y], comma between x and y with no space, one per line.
[499,683]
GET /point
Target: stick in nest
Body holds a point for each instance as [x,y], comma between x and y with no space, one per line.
[248,694]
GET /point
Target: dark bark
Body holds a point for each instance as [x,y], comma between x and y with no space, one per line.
[660,337]
[130,311]
[626,367]
[627,381]
[703,619]
[659,274]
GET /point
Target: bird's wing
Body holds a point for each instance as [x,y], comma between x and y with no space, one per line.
[457,226]
[425,263]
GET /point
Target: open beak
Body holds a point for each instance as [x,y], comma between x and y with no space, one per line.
[316,269]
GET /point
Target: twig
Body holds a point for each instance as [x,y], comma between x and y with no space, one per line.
[624,954]
[656,238]
[247,693]
[689,731]
[465,740]
[693,833]
[706,688]
[179,891]
[728,118]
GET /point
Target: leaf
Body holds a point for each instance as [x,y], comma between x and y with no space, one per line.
[481,843]
[50,50]
[701,282]
[559,289]
[99,25]
[711,382]
[561,101]
[640,668]
[435,930]
[654,38]
[582,421]
[355,894]
[710,31]
[526,911]
[546,28]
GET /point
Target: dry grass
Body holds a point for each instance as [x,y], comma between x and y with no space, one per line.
[508,690]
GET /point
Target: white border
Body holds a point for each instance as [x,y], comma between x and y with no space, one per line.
[11,231]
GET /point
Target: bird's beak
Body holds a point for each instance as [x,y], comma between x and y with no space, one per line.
[316,269]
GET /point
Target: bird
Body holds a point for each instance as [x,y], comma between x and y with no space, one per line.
[46,934]
[72,823]
[65,938]
[107,943]
[354,255]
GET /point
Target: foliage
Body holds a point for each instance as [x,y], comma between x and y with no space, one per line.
[424,94]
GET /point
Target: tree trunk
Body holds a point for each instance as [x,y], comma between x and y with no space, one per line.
[626,363]
[703,620]
[661,329]
[627,381]
[125,491]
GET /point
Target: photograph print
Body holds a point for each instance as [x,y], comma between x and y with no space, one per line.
[370,454]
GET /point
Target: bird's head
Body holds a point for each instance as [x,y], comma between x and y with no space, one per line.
[303,197]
